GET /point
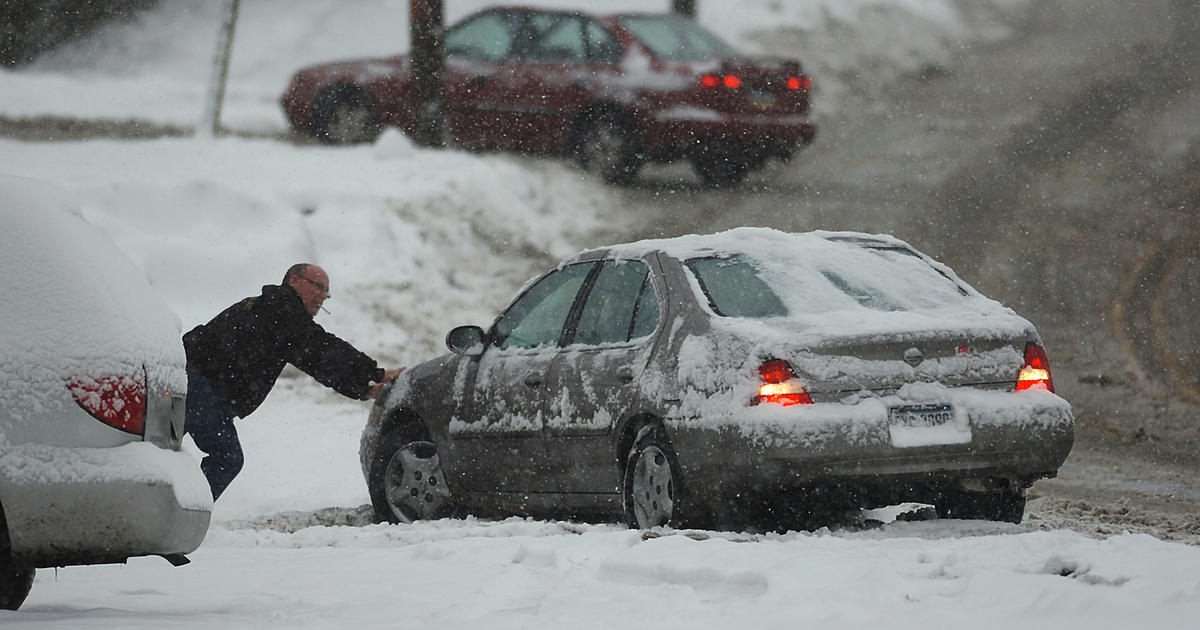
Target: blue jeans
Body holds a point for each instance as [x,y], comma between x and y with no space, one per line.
[209,420]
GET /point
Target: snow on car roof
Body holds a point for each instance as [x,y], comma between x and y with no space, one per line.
[742,240]
[841,283]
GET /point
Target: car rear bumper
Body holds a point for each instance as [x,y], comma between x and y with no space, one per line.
[688,131]
[1011,438]
[69,506]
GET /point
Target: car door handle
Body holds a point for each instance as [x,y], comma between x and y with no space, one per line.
[533,380]
[625,374]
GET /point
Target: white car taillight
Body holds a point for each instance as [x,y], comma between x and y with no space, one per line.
[1035,374]
[780,385]
[118,401]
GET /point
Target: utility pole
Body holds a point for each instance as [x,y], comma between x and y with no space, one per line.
[427,64]
[211,125]
[684,7]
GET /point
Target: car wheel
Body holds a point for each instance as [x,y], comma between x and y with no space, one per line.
[1008,505]
[720,171]
[406,481]
[651,486]
[348,118]
[15,584]
[607,147]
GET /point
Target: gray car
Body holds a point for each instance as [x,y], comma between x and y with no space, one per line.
[92,389]
[726,380]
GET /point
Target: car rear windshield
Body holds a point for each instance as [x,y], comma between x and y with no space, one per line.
[839,277]
[676,38]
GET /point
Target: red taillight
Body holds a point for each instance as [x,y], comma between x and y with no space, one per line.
[1035,374]
[779,385]
[731,81]
[799,83]
[118,401]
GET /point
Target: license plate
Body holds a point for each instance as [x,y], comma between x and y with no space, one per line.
[921,415]
[760,99]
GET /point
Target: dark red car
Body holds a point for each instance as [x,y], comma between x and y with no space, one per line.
[612,91]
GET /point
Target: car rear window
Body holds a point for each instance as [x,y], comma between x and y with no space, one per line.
[676,38]
[829,278]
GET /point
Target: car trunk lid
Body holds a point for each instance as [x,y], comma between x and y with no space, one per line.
[757,86]
[883,364]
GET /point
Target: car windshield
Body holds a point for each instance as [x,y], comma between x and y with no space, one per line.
[677,38]
[829,277]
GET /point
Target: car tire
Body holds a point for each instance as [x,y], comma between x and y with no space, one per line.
[720,171]
[15,584]
[405,481]
[651,486]
[346,117]
[1007,505]
[607,147]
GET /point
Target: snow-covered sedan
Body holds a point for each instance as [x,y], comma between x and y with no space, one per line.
[614,91]
[92,388]
[727,378]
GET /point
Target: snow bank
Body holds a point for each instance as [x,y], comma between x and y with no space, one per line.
[407,235]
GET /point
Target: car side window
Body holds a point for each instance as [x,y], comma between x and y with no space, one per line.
[677,38]
[603,46]
[610,314]
[647,313]
[538,316]
[735,289]
[556,38]
[489,37]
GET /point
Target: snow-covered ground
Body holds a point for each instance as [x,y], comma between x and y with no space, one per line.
[418,241]
[520,574]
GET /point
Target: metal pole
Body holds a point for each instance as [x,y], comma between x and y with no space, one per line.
[427,64]
[216,91]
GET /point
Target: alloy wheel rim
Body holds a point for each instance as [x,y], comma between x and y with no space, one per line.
[653,488]
[413,483]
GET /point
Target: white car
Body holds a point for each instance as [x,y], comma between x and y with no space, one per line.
[92,387]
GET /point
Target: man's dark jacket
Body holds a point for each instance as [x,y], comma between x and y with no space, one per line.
[243,350]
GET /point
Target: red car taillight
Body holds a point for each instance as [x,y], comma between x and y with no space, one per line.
[780,386]
[799,83]
[731,81]
[1035,374]
[118,401]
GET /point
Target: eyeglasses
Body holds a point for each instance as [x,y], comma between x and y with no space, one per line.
[319,286]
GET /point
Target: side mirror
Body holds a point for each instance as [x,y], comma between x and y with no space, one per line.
[467,340]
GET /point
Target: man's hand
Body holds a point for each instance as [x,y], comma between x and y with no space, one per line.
[388,377]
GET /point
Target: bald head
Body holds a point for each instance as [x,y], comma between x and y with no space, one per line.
[311,283]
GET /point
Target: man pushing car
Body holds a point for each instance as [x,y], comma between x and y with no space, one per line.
[234,360]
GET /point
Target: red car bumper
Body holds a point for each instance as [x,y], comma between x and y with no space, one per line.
[684,132]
